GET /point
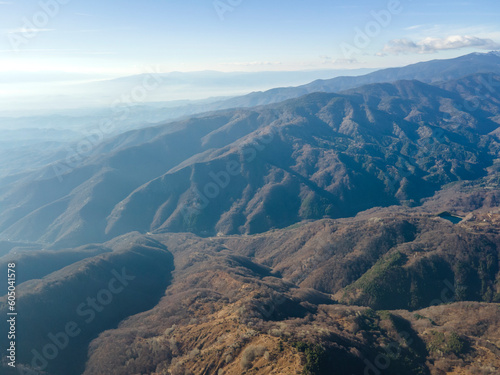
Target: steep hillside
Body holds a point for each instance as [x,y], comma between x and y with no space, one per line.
[239,305]
[251,304]
[72,305]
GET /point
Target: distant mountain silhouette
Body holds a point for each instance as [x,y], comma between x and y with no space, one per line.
[429,72]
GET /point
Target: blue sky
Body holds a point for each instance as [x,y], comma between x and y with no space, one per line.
[125,37]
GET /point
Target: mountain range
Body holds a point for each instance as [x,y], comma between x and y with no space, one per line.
[247,171]
[347,226]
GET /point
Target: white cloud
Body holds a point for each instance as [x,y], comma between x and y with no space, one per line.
[432,45]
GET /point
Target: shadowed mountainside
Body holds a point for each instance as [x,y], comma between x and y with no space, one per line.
[72,305]
[246,171]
